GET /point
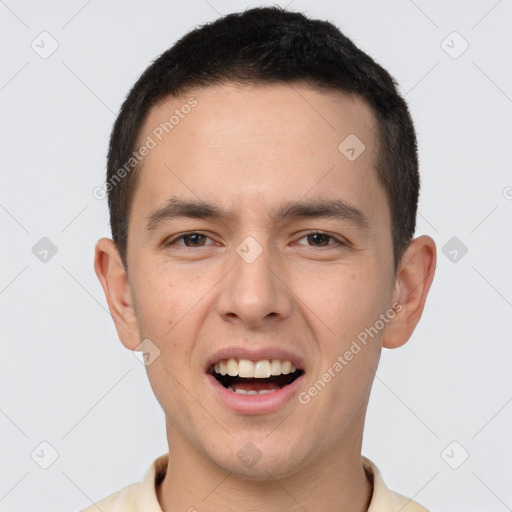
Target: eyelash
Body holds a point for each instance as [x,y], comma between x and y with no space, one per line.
[185,235]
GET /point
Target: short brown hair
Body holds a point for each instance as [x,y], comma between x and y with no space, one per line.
[272,45]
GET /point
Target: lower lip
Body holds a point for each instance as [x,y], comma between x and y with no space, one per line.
[255,404]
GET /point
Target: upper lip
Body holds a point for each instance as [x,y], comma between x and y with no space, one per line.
[255,355]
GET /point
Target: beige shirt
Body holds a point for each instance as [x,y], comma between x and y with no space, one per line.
[141,496]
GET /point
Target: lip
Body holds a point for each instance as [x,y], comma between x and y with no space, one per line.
[254,404]
[254,355]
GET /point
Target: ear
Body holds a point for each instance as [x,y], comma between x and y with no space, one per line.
[414,277]
[114,280]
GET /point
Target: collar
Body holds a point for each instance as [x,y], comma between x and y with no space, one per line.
[383,499]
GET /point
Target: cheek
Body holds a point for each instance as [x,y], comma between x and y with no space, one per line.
[163,296]
[158,312]
[157,305]
[170,311]
[344,300]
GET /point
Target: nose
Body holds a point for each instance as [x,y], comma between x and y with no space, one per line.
[255,293]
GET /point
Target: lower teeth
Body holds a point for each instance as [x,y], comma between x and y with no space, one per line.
[251,391]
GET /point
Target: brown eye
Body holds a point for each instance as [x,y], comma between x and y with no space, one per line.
[190,240]
[319,239]
[196,240]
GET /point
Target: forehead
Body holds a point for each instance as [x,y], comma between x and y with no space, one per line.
[273,113]
[258,146]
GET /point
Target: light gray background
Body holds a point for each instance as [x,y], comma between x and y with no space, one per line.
[68,381]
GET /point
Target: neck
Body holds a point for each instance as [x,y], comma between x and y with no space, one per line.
[334,481]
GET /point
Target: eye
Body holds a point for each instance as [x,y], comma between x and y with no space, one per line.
[319,239]
[190,240]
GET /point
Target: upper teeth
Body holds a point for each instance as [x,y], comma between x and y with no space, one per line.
[253,369]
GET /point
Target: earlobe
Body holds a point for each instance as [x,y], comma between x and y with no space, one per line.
[114,281]
[413,281]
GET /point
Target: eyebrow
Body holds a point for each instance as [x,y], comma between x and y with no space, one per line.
[292,210]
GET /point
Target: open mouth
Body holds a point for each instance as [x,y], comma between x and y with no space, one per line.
[247,377]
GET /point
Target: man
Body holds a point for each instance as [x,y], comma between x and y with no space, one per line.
[263,184]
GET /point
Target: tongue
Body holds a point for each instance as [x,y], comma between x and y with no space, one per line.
[255,385]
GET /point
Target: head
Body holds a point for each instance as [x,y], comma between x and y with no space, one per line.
[266,211]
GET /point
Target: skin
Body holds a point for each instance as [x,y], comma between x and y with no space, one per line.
[248,149]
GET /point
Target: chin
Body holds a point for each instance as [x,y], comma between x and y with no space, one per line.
[262,463]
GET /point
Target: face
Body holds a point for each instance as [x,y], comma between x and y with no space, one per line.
[261,249]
